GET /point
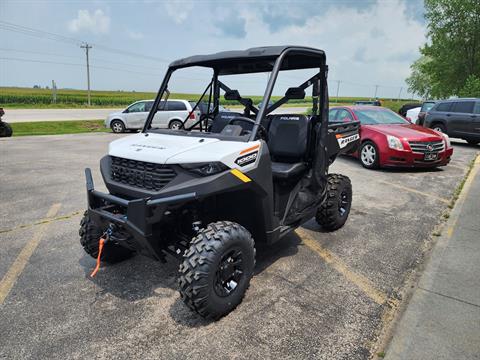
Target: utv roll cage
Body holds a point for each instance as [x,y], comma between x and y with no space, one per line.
[271,59]
[213,199]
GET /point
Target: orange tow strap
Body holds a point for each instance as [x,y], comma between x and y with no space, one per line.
[101,242]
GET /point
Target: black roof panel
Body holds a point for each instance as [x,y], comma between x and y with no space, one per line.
[260,59]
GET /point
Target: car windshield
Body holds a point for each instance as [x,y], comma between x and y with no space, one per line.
[379,117]
[427,106]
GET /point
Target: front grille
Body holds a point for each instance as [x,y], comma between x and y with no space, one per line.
[141,174]
[427,146]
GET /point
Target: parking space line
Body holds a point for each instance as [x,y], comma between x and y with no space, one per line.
[415,191]
[358,280]
[43,221]
[22,259]
[457,167]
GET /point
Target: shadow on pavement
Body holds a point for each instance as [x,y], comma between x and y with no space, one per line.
[355,162]
[265,257]
[140,277]
[134,279]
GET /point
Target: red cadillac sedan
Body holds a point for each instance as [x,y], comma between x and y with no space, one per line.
[387,139]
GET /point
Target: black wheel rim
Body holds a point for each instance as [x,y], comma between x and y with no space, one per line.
[343,203]
[229,273]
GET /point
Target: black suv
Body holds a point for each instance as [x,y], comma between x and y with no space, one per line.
[459,118]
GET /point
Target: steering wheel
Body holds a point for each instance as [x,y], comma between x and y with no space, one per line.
[206,120]
[261,133]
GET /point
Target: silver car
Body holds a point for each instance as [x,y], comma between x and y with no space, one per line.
[170,115]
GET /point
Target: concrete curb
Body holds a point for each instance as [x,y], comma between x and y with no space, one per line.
[435,325]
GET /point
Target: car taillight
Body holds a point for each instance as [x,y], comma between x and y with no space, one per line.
[192,116]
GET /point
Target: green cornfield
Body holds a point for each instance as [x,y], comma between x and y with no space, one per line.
[15,97]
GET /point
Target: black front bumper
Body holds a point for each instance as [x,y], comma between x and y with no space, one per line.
[135,216]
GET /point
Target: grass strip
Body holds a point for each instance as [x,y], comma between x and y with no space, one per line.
[460,186]
[58,127]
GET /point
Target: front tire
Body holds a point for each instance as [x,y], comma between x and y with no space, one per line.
[90,234]
[369,155]
[117,126]
[5,129]
[217,269]
[333,212]
[440,128]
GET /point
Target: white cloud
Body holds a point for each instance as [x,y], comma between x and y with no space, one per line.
[178,10]
[96,22]
[363,46]
[135,35]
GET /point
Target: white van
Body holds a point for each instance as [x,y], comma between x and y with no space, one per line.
[170,116]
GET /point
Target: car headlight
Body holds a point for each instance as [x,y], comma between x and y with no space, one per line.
[206,169]
[447,140]
[394,142]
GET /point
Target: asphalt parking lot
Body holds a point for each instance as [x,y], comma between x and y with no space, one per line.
[314,295]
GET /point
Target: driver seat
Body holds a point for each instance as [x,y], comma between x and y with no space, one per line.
[221,120]
[287,142]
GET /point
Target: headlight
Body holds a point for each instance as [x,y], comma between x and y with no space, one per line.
[447,140]
[394,142]
[206,169]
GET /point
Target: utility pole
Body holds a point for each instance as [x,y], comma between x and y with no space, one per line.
[399,93]
[54,92]
[376,88]
[338,88]
[87,47]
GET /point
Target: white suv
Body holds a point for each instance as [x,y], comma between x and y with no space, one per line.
[170,116]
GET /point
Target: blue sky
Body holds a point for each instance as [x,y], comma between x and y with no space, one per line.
[367,42]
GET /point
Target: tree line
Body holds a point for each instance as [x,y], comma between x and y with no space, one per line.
[450,60]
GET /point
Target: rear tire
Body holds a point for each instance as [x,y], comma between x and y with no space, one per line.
[5,129]
[117,126]
[217,269]
[439,127]
[473,142]
[369,155]
[175,125]
[90,234]
[333,212]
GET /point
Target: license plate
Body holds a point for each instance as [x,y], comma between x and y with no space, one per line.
[430,156]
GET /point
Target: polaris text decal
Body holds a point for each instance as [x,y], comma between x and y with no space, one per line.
[295,118]
[342,142]
[148,146]
[247,159]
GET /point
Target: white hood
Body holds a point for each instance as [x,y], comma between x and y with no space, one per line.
[155,148]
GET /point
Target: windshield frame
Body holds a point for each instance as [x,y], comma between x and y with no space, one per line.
[319,85]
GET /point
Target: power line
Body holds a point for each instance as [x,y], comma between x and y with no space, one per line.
[81,65]
[60,38]
[93,58]
[39,53]
[37,33]
[128,53]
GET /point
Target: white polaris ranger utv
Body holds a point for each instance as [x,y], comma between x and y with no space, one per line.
[209,196]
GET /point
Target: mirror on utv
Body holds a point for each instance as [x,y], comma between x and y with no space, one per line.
[295,93]
[232,95]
